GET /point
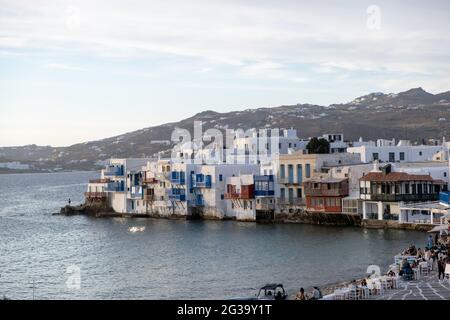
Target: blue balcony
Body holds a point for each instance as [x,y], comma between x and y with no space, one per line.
[114,171]
[264,186]
[177,177]
[264,193]
[444,197]
[114,187]
[177,194]
[201,181]
[264,178]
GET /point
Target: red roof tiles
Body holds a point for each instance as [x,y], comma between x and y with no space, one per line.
[395,176]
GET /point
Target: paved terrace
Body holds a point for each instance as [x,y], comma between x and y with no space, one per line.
[427,287]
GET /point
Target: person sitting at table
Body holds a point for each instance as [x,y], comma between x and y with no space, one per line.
[419,253]
[406,269]
[363,283]
[427,254]
[391,273]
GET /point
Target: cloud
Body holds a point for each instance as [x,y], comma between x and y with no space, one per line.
[233,33]
[62,66]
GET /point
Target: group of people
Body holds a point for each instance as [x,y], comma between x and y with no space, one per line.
[432,254]
[316,294]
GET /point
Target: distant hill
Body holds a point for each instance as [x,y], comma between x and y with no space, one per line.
[413,114]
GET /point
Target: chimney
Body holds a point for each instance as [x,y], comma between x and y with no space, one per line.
[375,166]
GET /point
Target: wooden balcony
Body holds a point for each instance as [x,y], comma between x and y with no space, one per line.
[324,192]
[149,181]
[95,195]
[106,180]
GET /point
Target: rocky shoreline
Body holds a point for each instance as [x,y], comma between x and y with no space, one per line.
[101,210]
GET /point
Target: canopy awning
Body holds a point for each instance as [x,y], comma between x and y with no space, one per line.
[439,228]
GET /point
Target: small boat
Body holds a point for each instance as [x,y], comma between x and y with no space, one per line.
[272,291]
[136,229]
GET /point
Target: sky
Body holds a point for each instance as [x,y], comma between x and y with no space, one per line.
[75,71]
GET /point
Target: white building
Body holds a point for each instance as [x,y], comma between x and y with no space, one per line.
[121,182]
[402,152]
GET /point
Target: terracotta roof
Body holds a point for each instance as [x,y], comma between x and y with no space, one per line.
[324,179]
[395,176]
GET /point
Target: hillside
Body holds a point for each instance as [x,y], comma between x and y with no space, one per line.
[414,114]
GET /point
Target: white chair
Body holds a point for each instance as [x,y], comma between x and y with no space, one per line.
[363,292]
[384,283]
[379,286]
[339,294]
[352,294]
[394,281]
[371,287]
[430,264]
[424,269]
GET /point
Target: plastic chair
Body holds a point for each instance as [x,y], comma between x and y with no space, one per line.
[424,269]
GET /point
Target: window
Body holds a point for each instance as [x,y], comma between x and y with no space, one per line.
[402,156]
[282,193]
[308,170]
[291,173]
[445,174]
[420,153]
[222,197]
[299,173]
[375,156]
[406,188]
[220,177]
[391,156]
[282,172]
[245,204]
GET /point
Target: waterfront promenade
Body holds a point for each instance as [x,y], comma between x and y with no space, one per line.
[427,287]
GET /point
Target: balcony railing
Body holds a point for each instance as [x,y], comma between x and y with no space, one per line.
[114,189]
[113,171]
[336,192]
[177,178]
[291,201]
[201,184]
[95,195]
[106,180]
[264,178]
[287,180]
[149,181]
[177,195]
[264,193]
[404,197]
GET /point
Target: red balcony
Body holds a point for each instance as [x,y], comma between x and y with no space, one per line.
[247,192]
